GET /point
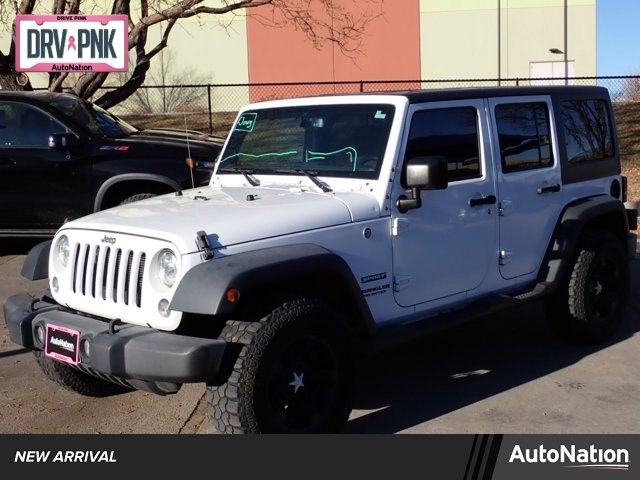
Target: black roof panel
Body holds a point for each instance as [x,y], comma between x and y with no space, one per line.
[433,95]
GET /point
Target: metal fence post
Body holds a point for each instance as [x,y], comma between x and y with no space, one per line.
[210,112]
[361,86]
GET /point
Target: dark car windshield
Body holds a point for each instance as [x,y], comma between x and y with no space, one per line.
[96,119]
[330,140]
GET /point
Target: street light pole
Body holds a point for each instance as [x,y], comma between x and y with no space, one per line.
[566,41]
[499,46]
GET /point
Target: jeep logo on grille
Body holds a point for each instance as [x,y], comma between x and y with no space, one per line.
[107,239]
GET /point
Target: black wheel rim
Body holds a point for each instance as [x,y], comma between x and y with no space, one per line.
[604,289]
[301,385]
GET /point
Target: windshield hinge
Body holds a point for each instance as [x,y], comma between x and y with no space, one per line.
[202,241]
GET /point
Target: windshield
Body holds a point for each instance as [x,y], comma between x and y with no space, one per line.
[329,140]
[96,119]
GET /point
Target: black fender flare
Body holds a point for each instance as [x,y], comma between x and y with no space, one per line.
[202,289]
[128,177]
[36,263]
[571,223]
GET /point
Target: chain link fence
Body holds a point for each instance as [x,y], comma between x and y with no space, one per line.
[212,108]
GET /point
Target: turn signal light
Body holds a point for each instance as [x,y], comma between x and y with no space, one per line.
[233,295]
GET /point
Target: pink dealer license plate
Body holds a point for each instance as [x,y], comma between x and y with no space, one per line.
[62,344]
[72,43]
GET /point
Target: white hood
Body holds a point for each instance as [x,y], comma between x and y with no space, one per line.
[228,216]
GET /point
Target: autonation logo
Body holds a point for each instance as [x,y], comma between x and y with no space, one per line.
[574,457]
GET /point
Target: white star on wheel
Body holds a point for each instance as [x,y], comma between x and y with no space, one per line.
[297,382]
[598,288]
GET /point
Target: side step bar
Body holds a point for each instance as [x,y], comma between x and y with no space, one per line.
[398,334]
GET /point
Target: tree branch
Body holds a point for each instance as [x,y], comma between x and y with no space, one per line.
[89,83]
[202,10]
[138,76]
[8,75]
[56,80]
[26,7]
[74,6]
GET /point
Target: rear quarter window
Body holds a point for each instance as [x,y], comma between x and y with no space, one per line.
[587,130]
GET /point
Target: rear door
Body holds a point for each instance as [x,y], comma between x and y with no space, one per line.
[529,180]
[39,186]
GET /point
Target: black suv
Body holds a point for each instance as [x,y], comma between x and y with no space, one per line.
[62,157]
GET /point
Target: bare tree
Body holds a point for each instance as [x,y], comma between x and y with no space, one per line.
[168,96]
[9,78]
[630,91]
[320,20]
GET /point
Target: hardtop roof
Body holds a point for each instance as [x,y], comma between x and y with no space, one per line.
[441,94]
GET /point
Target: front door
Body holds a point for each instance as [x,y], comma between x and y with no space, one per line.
[529,181]
[448,245]
[39,186]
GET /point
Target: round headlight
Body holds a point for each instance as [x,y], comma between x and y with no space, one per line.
[63,250]
[168,267]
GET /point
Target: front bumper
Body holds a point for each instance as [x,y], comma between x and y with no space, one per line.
[129,352]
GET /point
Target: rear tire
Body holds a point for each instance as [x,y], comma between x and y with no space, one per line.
[137,197]
[76,381]
[294,373]
[590,304]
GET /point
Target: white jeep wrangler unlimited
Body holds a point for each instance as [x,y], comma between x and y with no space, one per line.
[330,222]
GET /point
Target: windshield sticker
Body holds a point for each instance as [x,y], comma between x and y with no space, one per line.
[350,152]
[251,155]
[380,115]
[246,122]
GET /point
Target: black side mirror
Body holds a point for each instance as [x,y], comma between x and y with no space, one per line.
[63,141]
[423,173]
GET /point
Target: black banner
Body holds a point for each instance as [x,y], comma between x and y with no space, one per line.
[461,457]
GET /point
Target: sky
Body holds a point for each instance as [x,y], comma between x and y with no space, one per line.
[618,31]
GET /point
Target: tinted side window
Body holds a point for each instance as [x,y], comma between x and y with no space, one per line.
[450,133]
[523,133]
[22,125]
[587,130]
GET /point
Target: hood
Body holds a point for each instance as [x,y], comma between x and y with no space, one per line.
[229,216]
[170,133]
[172,144]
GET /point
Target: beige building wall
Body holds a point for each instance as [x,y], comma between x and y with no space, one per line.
[215,48]
[460,39]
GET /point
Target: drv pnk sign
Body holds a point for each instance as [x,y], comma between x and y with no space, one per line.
[72,43]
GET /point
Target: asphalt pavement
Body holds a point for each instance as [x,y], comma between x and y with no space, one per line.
[505,373]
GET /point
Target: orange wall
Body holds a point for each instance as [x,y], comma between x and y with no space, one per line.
[390,50]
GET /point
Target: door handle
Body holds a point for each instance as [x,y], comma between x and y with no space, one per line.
[486,200]
[550,189]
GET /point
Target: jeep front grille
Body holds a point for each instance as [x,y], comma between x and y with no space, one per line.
[108,273]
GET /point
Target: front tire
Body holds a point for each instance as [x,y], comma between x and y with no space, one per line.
[76,381]
[590,305]
[294,373]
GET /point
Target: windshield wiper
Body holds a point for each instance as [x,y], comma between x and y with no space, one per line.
[313,176]
[247,174]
